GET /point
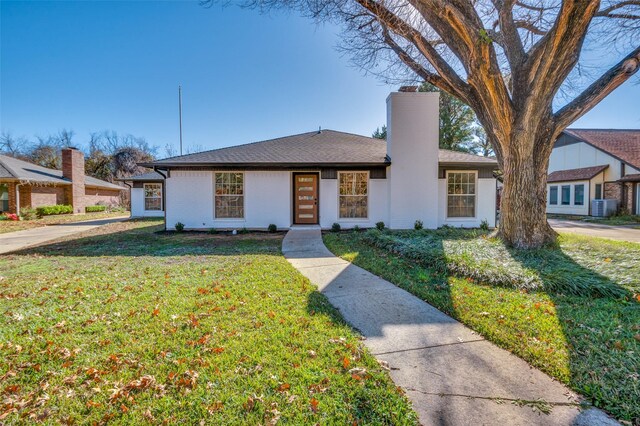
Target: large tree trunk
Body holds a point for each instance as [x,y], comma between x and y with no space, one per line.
[523,218]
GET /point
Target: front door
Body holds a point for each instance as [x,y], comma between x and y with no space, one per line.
[305,198]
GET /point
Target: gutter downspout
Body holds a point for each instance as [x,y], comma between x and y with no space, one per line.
[164,197]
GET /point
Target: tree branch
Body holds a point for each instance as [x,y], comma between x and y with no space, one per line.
[598,90]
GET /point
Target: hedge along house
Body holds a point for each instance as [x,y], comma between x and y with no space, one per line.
[594,164]
[147,194]
[24,184]
[325,177]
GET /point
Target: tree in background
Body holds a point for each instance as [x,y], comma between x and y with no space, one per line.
[380,132]
[516,63]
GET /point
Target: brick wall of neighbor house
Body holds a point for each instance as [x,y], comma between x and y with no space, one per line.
[25,195]
[47,196]
[628,190]
[11,187]
[613,190]
[73,169]
[95,196]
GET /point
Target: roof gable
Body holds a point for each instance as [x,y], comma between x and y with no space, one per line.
[622,144]
[584,173]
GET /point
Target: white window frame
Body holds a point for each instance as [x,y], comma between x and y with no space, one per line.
[244,204]
[446,194]
[557,193]
[354,219]
[144,196]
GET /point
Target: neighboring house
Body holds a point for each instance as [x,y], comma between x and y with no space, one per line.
[325,177]
[147,194]
[591,164]
[24,184]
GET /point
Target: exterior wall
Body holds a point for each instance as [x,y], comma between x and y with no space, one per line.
[572,209]
[11,186]
[73,169]
[93,196]
[137,205]
[412,138]
[485,205]
[377,205]
[579,155]
[47,195]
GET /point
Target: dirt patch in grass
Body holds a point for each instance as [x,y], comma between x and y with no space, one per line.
[126,324]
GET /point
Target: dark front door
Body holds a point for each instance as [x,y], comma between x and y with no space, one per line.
[305,198]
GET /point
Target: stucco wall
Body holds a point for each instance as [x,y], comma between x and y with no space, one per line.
[377,208]
[580,155]
[485,205]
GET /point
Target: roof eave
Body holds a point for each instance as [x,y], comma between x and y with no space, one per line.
[165,166]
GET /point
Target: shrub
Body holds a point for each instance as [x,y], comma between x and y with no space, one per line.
[244,230]
[94,209]
[11,216]
[380,225]
[484,225]
[418,225]
[335,227]
[179,226]
[51,210]
[356,228]
[272,228]
[28,213]
[3,217]
[212,231]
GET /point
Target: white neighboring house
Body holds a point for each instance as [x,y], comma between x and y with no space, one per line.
[592,164]
[325,177]
[147,194]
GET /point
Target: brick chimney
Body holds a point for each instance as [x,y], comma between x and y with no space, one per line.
[73,169]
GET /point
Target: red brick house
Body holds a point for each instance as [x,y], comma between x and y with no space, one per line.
[23,184]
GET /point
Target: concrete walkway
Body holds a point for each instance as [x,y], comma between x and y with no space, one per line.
[620,233]
[13,241]
[451,374]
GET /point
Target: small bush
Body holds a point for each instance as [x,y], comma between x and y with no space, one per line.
[243,231]
[95,209]
[28,213]
[11,216]
[484,225]
[272,228]
[212,231]
[3,217]
[356,228]
[380,225]
[179,226]
[335,227]
[418,225]
[51,210]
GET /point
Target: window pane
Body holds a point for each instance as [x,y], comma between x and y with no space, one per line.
[598,191]
[353,200]
[578,195]
[229,191]
[553,195]
[461,190]
[566,195]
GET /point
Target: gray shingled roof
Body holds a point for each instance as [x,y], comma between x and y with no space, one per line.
[447,156]
[13,168]
[327,147]
[584,173]
[621,143]
[144,177]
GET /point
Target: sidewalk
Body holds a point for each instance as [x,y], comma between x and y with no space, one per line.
[13,241]
[451,374]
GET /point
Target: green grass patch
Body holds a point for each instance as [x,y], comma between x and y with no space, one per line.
[129,324]
[590,343]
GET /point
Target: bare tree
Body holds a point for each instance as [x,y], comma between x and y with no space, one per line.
[515,62]
[12,146]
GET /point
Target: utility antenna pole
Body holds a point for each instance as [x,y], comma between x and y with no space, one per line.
[180,114]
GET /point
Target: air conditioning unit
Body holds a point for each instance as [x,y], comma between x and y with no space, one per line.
[603,208]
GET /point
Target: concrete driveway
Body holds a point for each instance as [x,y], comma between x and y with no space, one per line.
[13,241]
[620,233]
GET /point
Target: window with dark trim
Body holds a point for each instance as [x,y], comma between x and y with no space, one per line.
[578,195]
[229,195]
[153,196]
[553,195]
[566,195]
[598,191]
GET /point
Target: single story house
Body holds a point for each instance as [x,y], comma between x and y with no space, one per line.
[24,184]
[325,177]
[147,194]
[594,164]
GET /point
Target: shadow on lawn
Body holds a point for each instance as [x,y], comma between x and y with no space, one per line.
[146,238]
[597,317]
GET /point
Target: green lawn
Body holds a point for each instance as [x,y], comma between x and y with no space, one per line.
[20,225]
[132,325]
[570,310]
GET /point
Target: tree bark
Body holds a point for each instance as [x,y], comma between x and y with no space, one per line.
[523,217]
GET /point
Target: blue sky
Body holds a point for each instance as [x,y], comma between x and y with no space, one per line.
[92,66]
